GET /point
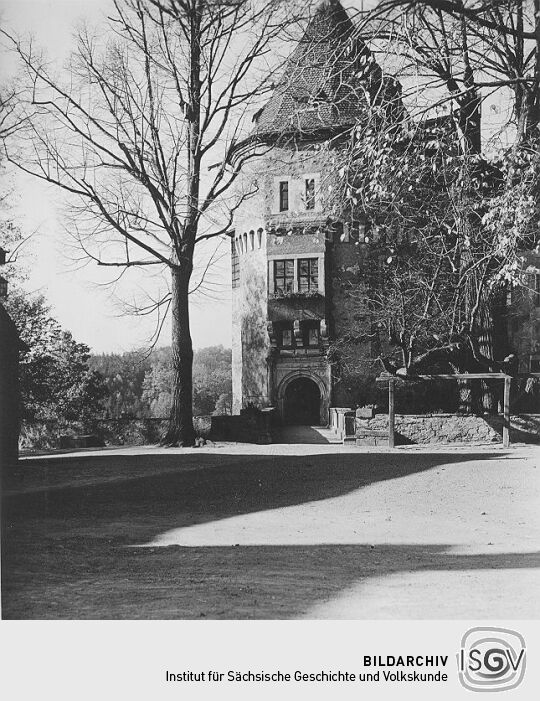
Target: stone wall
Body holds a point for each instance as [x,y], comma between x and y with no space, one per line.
[49,435]
[449,428]
[248,427]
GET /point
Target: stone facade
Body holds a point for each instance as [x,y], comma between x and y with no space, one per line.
[289,256]
[282,330]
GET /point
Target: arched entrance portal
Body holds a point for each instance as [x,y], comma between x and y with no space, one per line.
[302,403]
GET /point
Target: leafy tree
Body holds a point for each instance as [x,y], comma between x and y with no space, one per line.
[56,381]
[211,381]
[447,217]
[123,376]
[157,386]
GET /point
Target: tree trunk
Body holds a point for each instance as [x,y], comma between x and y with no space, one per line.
[180,430]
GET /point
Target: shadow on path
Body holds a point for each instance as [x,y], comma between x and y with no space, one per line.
[64,551]
[95,580]
[221,486]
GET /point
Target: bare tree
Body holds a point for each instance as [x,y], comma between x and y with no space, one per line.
[140,133]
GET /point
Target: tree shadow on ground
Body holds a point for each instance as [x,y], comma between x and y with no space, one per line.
[523,429]
[64,551]
[93,580]
[218,486]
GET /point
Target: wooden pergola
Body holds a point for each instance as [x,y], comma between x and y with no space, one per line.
[507,379]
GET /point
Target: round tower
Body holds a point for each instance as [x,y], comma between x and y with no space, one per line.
[285,244]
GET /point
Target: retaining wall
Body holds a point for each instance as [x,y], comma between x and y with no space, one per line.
[449,428]
[43,435]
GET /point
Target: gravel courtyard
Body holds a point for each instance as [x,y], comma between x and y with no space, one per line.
[282,531]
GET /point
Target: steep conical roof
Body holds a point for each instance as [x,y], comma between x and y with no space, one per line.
[324,82]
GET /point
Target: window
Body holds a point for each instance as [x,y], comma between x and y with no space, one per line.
[308,275]
[283,196]
[283,276]
[284,334]
[287,338]
[310,333]
[235,266]
[313,337]
[310,193]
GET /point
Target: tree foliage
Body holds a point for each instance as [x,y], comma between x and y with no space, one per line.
[212,382]
[447,216]
[140,385]
[56,381]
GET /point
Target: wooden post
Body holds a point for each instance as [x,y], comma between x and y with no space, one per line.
[391,412]
[506,420]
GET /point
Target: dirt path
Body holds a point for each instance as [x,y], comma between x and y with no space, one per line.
[283,531]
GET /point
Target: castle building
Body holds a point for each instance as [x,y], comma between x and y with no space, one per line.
[287,296]
[294,257]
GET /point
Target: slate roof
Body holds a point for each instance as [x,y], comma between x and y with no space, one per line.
[325,80]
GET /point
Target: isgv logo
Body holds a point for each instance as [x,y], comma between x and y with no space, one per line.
[491,659]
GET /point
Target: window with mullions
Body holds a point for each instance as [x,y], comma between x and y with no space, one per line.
[310,193]
[286,338]
[283,196]
[308,275]
[310,333]
[283,276]
[235,266]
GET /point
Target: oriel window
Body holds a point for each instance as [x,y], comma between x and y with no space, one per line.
[283,196]
[283,276]
[308,275]
[310,193]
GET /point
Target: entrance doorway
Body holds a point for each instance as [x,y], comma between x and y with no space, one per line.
[302,403]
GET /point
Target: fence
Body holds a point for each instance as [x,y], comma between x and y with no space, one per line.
[507,379]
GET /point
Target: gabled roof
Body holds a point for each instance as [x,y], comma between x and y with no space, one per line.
[326,79]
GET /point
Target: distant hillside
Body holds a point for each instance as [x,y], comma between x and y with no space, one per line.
[139,385]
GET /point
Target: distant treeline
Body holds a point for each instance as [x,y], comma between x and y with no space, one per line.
[139,385]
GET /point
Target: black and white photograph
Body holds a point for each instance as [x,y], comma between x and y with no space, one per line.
[270,318]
